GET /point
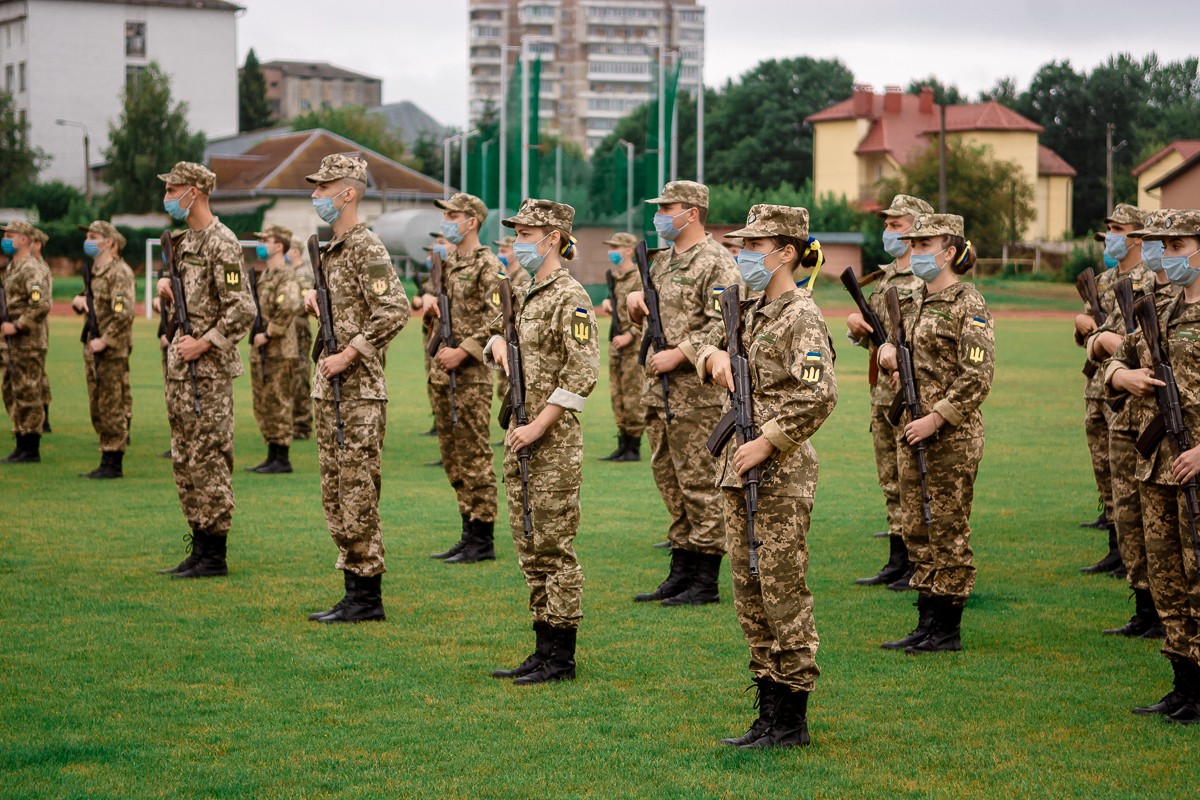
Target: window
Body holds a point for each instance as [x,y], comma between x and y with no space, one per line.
[562,52]
[618,68]
[21,76]
[691,16]
[602,124]
[135,39]
[593,142]
[133,74]
[622,14]
[619,50]
[537,11]
[611,104]
[8,78]
[486,32]
[691,35]
[305,105]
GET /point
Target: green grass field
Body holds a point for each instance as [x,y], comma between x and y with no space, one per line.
[118,683]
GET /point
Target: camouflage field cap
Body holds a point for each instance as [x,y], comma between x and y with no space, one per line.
[768,220]
[1154,222]
[1176,222]
[622,240]
[543,214]
[189,173]
[905,205]
[107,230]
[1125,214]
[338,166]
[689,192]
[928,226]
[40,236]
[735,241]
[466,203]
[276,232]
[22,227]
[507,241]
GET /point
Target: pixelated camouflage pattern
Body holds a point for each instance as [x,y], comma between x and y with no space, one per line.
[189,173]
[625,375]
[202,451]
[280,300]
[1126,214]
[1180,222]
[23,390]
[884,441]
[1095,428]
[689,192]
[1127,506]
[466,448]
[272,399]
[351,481]
[905,283]
[340,165]
[279,233]
[622,239]
[542,214]
[115,297]
[110,403]
[1155,222]
[27,287]
[107,230]
[904,205]
[468,204]
[766,220]
[471,280]
[22,227]
[1172,570]
[927,226]
[302,374]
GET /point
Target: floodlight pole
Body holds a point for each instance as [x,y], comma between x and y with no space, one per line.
[87,170]
[700,119]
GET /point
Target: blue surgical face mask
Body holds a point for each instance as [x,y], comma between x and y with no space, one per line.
[450,232]
[91,248]
[325,208]
[440,249]
[1179,270]
[504,260]
[1110,262]
[753,268]
[893,245]
[428,262]
[665,225]
[925,265]
[1152,255]
[527,254]
[615,258]
[173,208]
[1114,245]
[262,252]
[8,246]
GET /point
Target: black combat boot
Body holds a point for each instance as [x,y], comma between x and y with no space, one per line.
[662,545]
[28,449]
[166,454]
[944,636]
[194,548]
[1110,561]
[633,450]
[559,664]
[1173,700]
[902,583]
[110,467]
[432,430]
[1145,616]
[677,580]
[897,564]
[480,544]
[364,603]
[705,587]
[46,420]
[1188,712]
[541,652]
[270,457]
[790,726]
[348,579]
[457,547]
[622,443]
[279,464]
[8,459]
[212,560]
[924,606]
[767,702]
[1099,522]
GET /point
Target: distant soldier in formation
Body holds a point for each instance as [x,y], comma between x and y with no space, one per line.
[106,358]
[40,238]
[518,277]
[27,292]
[428,321]
[625,376]
[302,372]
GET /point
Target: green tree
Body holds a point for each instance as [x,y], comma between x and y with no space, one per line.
[354,123]
[942,94]
[253,110]
[54,200]
[1004,92]
[19,163]
[150,136]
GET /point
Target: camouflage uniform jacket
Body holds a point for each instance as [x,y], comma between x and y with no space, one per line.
[1129,418]
[27,289]
[471,280]
[953,343]
[1142,278]
[791,372]
[219,304]
[280,301]
[882,393]
[631,281]
[114,294]
[369,309]
[1179,332]
[688,284]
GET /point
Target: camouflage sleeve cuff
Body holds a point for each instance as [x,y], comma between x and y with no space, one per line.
[775,435]
[702,361]
[1078,338]
[275,330]
[568,400]
[863,342]
[217,340]
[688,350]
[1110,368]
[365,348]
[488,361]
[109,342]
[949,413]
[471,346]
[25,323]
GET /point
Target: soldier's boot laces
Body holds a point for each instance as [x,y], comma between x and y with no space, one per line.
[897,564]
[211,563]
[1110,561]
[541,652]
[279,463]
[560,662]
[633,450]
[678,579]
[622,443]
[457,547]
[1173,700]
[265,461]
[28,449]
[110,467]
[945,635]
[480,544]
[1144,619]
[1188,712]
[348,580]
[790,725]
[194,547]
[770,694]
[364,603]
[924,606]
[705,587]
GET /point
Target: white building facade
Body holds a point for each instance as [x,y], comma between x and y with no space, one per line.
[70,60]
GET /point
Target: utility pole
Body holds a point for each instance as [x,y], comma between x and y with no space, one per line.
[942,160]
[1109,149]
[446,165]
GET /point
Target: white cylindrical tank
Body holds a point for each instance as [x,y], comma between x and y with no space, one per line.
[406,232]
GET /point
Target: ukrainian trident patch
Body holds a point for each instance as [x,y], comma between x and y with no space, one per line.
[812,369]
[581,326]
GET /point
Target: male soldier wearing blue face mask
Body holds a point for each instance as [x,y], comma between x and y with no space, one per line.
[624,375]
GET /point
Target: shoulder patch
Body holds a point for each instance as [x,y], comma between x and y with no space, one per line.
[976,355]
[716,295]
[979,322]
[279,300]
[377,273]
[233,275]
[118,303]
[581,326]
[35,292]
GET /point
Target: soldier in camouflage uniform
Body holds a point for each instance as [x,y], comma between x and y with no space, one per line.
[561,360]
[274,382]
[220,309]
[40,238]
[369,308]
[27,292]
[898,219]
[793,392]
[952,339]
[428,323]
[107,357]
[625,376]
[518,277]
[689,276]
[1172,567]
[302,371]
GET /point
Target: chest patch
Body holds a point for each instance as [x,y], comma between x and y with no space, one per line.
[581,326]
[939,313]
[233,276]
[35,292]
[682,280]
[279,300]
[770,338]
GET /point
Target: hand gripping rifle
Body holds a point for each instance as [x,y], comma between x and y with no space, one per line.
[444,335]
[740,417]
[1085,284]
[877,336]
[654,329]
[907,398]
[1169,421]
[614,330]
[327,336]
[1123,290]
[91,328]
[179,301]
[514,403]
[258,326]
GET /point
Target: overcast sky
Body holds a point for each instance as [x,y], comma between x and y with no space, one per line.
[419,49]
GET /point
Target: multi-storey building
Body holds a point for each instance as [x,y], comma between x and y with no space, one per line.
[599,57]
[297,87]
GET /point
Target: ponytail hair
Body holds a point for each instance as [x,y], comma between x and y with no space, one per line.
[810,258]
[964,260]
[567,250]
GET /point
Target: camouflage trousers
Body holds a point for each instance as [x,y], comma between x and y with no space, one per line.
[273,399]
[687,477]
[47,396]
[202,452]
[1172,569]
[466,448]
[776,608]
[1095,425]
[941,552]
[625,380]
[302,410]
[547,558]
[22,390]
[110,402]
[1127,507]
[351,481]
[884,435]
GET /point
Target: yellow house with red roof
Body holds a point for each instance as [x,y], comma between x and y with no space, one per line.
[861,141]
